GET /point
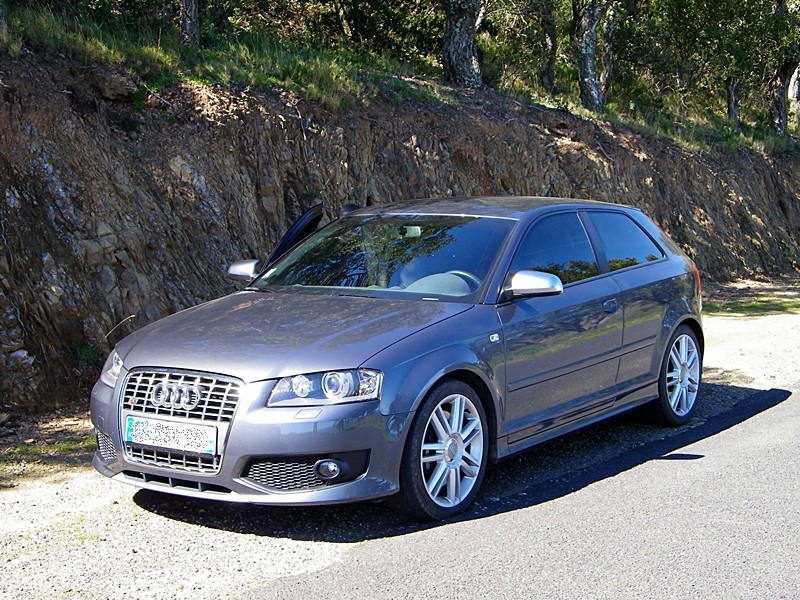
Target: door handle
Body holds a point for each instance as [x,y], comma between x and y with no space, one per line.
[610,306]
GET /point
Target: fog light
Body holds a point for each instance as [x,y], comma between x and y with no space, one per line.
[329,469]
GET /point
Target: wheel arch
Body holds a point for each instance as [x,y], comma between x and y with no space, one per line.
[697,329]
[486,398]
[671,326]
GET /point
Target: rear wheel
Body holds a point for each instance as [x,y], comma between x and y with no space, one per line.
[679,381]
[446,454]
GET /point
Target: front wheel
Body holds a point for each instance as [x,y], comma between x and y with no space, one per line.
[446,454]
[679,380]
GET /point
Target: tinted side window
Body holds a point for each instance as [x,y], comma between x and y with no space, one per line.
[557,245]
[625,243]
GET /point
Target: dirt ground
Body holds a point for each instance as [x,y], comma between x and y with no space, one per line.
[775,295]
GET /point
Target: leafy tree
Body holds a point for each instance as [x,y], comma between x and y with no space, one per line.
[787,26]
[529,29]
[702,59]
[779,88]
[735,47]
[405,28]
[794,96]
[713,54]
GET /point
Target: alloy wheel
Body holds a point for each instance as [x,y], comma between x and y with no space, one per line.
[683,375]
[451,455]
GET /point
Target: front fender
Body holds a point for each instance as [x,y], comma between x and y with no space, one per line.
[468,346]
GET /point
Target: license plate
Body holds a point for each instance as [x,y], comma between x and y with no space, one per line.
[174,436]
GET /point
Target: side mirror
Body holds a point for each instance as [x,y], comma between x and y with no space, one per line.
[243,270]
[534,283]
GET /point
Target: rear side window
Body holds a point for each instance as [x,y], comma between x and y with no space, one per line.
[624,242]
[557,245]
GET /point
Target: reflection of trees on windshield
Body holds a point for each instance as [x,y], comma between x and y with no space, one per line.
[369,252]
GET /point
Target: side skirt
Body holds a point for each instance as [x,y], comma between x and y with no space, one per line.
[623,403]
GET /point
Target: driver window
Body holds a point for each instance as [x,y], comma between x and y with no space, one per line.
[557,245]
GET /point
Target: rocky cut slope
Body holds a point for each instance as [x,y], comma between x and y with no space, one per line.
[109,209]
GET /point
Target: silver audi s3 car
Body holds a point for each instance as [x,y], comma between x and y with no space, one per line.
[400,350]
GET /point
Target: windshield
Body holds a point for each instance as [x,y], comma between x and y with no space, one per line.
[433,255]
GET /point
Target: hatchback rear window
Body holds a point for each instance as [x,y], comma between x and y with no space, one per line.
[624,242]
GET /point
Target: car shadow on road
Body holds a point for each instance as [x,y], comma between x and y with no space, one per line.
[540,475]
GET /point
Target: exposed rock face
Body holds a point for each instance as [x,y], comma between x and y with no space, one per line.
[107,211]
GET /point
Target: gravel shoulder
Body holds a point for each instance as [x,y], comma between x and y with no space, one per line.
[67,532]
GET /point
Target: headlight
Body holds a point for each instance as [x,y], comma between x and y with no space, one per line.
[333,387]
[111,370]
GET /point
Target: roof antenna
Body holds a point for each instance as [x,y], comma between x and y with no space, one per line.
[125,320]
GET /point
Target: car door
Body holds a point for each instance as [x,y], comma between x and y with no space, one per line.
[639,267]
[300,230]
[562,352]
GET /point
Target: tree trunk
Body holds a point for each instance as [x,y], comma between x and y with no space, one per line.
[3,24]
[732,97]
[794,97]
[588,81]
[575,21]
[608,42]
[548,22]
[190,22]
[459,56]
[779,89]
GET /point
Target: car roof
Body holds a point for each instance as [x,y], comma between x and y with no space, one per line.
[510,207]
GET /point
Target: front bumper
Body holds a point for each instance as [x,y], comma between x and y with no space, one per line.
[267,455]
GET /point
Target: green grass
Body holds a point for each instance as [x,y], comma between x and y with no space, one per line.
[341,77]
[707,133]
[754,307]
[89,356]
[62,451]
[42,30]
[337,78]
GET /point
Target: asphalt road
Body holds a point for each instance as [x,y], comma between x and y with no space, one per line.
[622,510]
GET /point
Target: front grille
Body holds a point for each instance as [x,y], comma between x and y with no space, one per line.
[214,400]
[173,459]
[285,473]
[107,451]
[219,394]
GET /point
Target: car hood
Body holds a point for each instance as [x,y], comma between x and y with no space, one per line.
[263,335]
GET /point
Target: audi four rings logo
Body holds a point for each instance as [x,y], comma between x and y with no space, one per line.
[172,395]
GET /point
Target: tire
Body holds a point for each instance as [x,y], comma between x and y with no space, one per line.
[679,379]
[446,453]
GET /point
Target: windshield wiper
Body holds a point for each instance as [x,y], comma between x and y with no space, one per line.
[355,294]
